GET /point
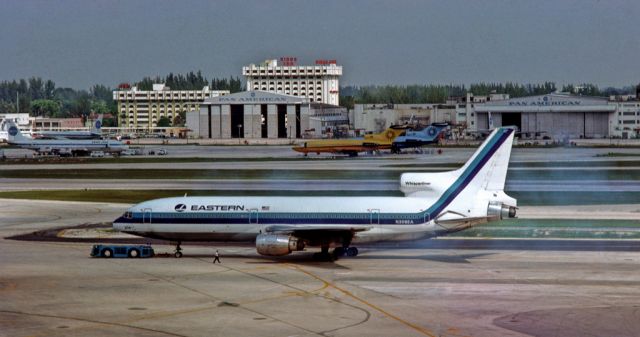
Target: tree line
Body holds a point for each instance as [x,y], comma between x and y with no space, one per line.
[42,98]
[433,93]
[192,81]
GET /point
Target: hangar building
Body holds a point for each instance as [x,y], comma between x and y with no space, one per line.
[554,115]
[250,114]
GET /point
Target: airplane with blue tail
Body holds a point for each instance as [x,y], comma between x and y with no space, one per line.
[94,133]
[416,139]
[62,146]
[434,204]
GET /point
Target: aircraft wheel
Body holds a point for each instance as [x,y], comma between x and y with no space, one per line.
[178,255]
[339,252]
[352,251]
[107,253]
[134,253]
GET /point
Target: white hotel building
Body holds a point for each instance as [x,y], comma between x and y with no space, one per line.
[318,83]
[139,109]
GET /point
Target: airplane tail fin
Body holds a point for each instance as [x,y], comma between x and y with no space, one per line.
[474,192]
[433,130]
[13,132]
[97,125]
[487,168]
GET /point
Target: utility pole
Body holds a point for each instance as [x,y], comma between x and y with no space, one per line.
[17,102]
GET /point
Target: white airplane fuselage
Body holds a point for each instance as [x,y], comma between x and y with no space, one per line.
[434,204]
[61,145]
[243,218]
[70,144]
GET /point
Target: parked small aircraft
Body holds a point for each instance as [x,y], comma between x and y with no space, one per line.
[416,139]
[368,143]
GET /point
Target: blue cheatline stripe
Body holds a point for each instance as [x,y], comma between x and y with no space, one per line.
[340,218]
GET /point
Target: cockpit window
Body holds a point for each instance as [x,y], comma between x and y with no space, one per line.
[128,215]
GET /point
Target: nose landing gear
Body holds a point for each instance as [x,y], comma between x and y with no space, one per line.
[178,251]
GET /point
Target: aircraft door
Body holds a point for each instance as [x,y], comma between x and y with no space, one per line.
[374,216]
[374,219]
[427,217]
[146,220]
[253,216]
[146,215]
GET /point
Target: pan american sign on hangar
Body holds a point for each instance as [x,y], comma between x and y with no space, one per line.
[255,97]
[544,101]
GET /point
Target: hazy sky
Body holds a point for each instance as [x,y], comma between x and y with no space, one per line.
[80,43]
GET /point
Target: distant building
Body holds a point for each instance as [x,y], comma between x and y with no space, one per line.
[55,124]
[327,121]
[556,116]
[317,83]
[626,121]
[143,108]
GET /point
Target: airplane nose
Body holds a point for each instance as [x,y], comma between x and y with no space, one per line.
[120,226]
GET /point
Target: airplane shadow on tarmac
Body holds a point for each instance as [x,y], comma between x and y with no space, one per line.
[307,258]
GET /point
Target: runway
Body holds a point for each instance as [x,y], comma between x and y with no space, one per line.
[442,287]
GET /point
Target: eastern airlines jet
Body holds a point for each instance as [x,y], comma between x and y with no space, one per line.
[434,204]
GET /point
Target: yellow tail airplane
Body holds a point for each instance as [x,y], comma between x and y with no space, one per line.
[372,142]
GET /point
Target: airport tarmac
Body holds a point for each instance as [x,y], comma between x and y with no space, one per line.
[450,288]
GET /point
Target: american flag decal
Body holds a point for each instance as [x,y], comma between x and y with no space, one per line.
[265,208]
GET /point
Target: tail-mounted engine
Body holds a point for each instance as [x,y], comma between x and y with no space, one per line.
[277,245]
[499,211]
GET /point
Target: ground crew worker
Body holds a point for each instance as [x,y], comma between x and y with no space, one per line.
[217,257]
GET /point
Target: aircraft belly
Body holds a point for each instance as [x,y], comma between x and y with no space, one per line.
[396,233]
[204,232]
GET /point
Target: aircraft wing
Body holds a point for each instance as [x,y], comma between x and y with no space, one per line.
[290,229]
[318,234]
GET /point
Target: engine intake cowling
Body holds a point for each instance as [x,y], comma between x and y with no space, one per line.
[277,245]
[499,211]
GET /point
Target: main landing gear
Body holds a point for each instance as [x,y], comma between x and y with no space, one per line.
[345,251]
[337,253]
[178,251]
